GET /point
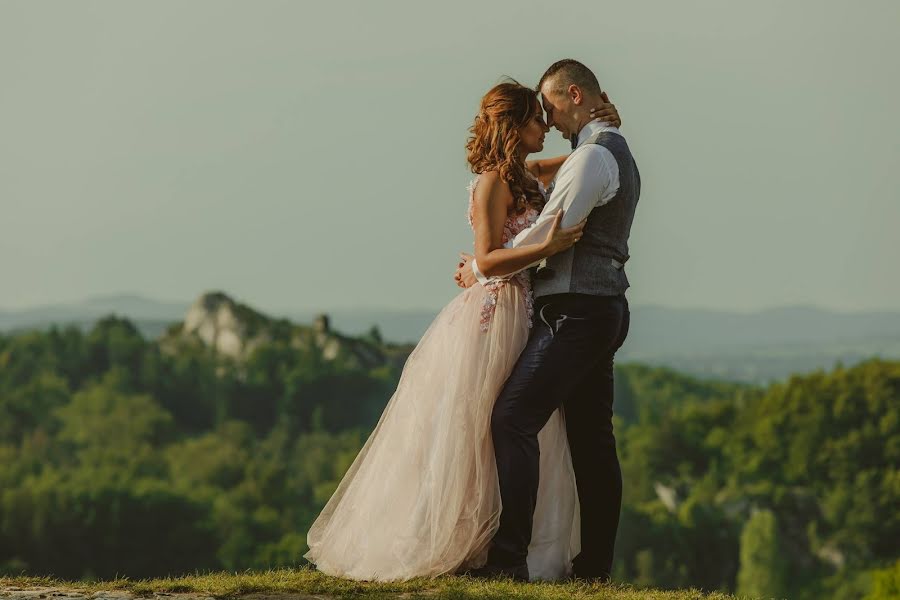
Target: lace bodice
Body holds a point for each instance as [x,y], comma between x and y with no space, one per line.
[513,225]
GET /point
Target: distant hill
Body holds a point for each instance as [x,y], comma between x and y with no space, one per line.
[762,346]
[757,347]
[155,313]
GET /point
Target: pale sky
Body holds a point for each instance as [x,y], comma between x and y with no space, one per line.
[309,155]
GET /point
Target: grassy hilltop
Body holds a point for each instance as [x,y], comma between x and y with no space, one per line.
[304,583]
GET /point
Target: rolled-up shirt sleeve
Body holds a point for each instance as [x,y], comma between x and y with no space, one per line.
[589,178]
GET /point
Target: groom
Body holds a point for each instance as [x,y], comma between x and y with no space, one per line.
[581,317]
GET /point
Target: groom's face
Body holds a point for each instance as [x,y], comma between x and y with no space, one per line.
[558,109]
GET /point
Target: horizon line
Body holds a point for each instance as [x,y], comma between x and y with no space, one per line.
[390,309]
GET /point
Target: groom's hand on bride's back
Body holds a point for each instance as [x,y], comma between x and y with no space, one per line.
[464,276]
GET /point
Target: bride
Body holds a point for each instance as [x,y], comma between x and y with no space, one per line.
[422,498]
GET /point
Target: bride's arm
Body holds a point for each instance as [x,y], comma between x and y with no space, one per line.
[545,169]
[491,202]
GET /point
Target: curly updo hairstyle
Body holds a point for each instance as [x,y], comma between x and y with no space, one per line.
[494,143]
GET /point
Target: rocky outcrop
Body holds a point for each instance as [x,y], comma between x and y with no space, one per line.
[235,330]
[214,319]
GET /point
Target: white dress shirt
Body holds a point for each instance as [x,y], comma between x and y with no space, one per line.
[587,179]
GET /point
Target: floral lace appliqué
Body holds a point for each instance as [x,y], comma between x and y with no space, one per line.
[514,224]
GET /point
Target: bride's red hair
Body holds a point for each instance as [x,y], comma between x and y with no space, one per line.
[494,144]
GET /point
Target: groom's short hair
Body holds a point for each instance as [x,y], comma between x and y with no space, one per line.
[567,71]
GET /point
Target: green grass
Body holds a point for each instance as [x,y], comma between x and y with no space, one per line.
[304,582]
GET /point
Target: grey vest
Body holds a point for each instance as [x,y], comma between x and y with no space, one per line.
[595,264]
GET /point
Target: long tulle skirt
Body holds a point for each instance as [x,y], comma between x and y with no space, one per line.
[422,499]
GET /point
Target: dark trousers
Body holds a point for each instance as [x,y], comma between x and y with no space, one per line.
[567,361]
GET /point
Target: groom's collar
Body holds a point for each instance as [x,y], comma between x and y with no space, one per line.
[592,127]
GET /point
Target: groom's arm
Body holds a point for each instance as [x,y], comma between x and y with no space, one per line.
[589,178]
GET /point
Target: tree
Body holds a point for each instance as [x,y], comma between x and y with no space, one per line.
[763,571]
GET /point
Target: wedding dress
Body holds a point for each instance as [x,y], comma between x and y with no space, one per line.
[422,498]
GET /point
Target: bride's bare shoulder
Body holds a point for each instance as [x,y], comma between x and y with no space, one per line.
[491,188]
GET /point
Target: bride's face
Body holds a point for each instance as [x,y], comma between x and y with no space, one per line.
[532,133]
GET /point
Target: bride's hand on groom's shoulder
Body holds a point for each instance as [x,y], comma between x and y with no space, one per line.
[607,112]
[464,276]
